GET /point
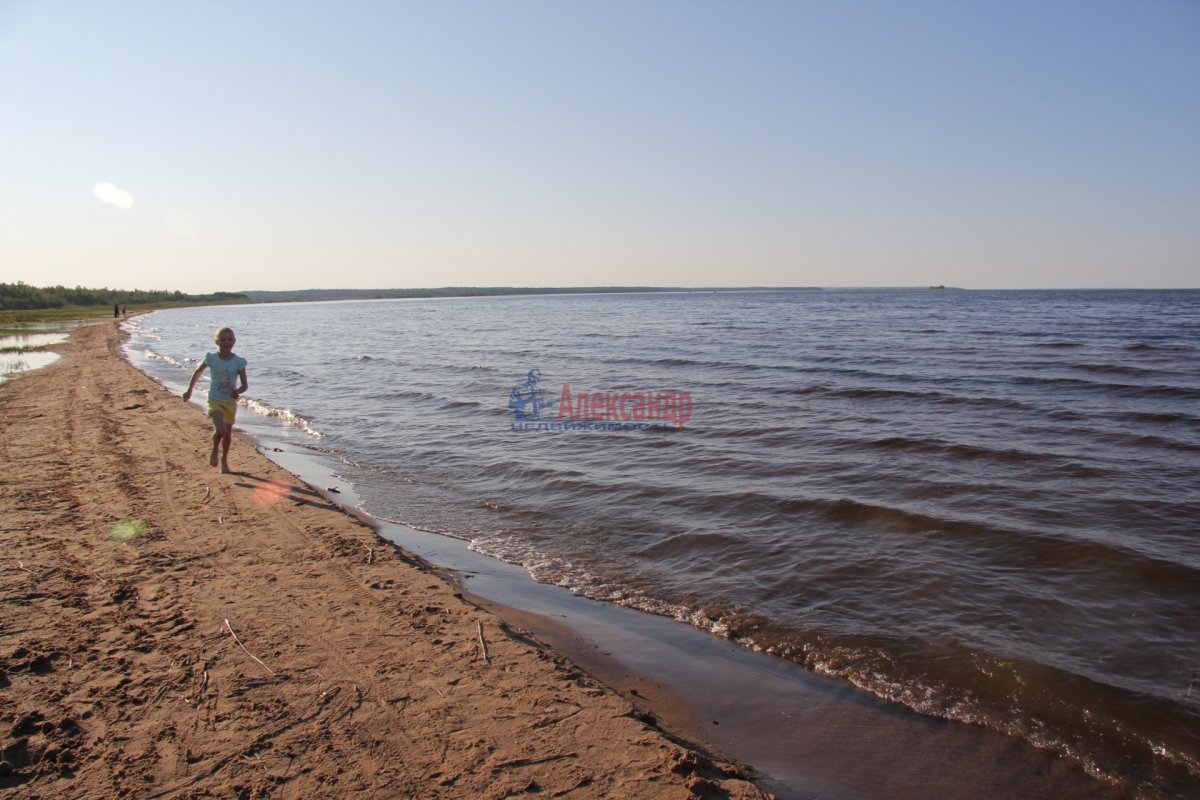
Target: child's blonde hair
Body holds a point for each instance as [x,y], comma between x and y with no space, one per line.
[217,335]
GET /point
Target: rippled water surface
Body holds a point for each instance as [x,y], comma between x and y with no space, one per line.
[983,505]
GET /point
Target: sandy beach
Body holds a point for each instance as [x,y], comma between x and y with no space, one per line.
[169,631]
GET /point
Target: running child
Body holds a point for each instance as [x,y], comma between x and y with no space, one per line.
[226,367]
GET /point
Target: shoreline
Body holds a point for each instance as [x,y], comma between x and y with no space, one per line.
[807,741]
[805,735]
[168,630]
[709,690]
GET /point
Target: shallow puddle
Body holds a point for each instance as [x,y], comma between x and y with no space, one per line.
[20,352]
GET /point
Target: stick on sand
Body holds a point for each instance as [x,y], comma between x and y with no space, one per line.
[482,643]
[239,641]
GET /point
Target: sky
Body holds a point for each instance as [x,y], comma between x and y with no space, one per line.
[228,146]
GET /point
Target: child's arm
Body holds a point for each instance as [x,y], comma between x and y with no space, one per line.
[195,377]
[245,384]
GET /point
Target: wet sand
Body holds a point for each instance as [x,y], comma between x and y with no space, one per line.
[806,735]
[170,631]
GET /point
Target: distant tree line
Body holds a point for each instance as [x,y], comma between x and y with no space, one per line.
[19,296]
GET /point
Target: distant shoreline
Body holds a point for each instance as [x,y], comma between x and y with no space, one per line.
[302,295]
[319,295]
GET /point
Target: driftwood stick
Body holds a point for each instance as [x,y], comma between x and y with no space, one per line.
[527,762]
[482,643]
[239,641]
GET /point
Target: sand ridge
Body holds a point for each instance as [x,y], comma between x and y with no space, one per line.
[168,631]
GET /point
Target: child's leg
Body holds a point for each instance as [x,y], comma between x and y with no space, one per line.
[226,440]
[218,436]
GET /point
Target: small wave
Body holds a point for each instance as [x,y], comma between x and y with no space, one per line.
[1066,383]
[741,432]
[153,356]
[1115,369]
[1130,389]
[284,415]
[1149,442]
[453,404]
[404,394]
[970,452]
[797,391]
[1166,417]
[942,398]
[884,394]
[966,451]
[1174,392]
[1143,347]
[136,328]
[512,550]
[689,544]
[1073,469]
[1019,546]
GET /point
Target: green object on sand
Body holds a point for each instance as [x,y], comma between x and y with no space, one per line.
[129,529]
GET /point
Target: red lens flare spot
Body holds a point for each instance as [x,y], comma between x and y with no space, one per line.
[268,494]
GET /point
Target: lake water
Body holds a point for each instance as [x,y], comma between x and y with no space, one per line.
[23,350]
[984,506]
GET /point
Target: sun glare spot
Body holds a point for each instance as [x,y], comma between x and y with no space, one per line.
[268,494]
[128,530]
[113,195]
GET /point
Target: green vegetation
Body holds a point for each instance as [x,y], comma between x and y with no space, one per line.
[21,304]
[20,296]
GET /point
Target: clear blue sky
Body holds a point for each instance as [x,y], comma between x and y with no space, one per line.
[285,145]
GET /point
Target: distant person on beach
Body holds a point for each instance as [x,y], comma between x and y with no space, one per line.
[116,311]
[227,367]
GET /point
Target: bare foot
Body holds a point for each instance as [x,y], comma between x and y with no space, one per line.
[225,470]
[212,458]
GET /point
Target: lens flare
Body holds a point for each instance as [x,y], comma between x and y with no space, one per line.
[268,494]
[113,195]
[128,530]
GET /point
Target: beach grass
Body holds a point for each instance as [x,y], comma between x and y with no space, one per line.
[20,319]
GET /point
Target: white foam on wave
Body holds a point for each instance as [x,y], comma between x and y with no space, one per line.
[137,327]
[153,356]
[284,415]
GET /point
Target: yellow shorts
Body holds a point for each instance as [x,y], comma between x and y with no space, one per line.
[228,409]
